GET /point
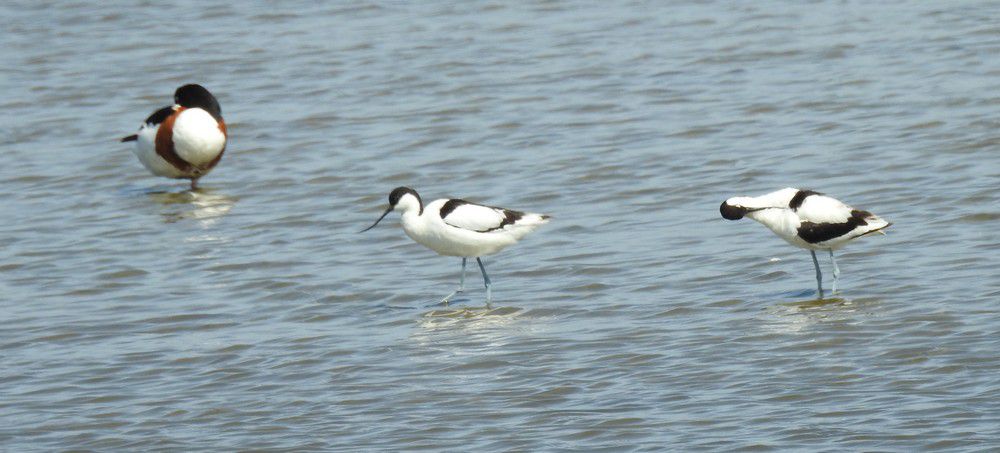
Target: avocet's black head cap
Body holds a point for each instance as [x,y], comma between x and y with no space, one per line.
[398,193]
[731,212]
[394,197]
[196,96]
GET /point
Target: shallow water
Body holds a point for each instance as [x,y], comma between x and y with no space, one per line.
[252,315]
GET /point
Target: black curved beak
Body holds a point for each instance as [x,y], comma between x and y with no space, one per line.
[387,211]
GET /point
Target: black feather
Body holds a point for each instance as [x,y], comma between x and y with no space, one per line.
[159,116]
[800,197]
[819,232]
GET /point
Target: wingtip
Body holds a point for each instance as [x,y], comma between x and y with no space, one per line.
[880,230]
[130,138]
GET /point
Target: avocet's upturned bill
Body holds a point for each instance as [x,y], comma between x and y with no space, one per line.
[456,227]
[185,140]
[808,220]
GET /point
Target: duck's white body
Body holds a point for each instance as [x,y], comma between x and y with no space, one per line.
[183,141]
[197,139]
[145,150]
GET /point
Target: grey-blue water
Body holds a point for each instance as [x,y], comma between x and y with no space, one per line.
[135,316]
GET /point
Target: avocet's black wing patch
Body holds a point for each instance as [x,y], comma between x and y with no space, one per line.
[814,233]
[475,217]
[450,206]
[800,197]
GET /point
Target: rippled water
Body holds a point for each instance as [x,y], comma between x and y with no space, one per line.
[252,315]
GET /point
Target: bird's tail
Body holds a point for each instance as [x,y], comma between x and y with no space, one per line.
[876,224]
[534,219]
[882,230]
[527,223]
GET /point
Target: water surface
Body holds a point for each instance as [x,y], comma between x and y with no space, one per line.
[252,315]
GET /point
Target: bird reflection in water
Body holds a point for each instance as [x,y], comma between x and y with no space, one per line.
[204,206]
[469,318]
[797,317]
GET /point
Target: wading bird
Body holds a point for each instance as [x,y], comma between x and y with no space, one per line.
[808,220]
[454,227]
[185,140]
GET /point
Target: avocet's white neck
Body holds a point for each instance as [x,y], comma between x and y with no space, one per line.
[409,204]
[414,218]
[782,221]
[771,210]
[776,199]
[775,219]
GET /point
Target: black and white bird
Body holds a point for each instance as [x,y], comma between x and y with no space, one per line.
[185,140]
[808,220]
[454,227]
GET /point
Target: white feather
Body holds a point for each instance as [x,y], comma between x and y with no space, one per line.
[145,150]
[462,233]
[776,199]
[823,209]
[773,211]
[197,137]
[475,217]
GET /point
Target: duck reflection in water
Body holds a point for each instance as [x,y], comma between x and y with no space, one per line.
[205,206]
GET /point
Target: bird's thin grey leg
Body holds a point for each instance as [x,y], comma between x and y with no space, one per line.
[819,275]
[836,272]
[486,281]
[194,184]
[461,285]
